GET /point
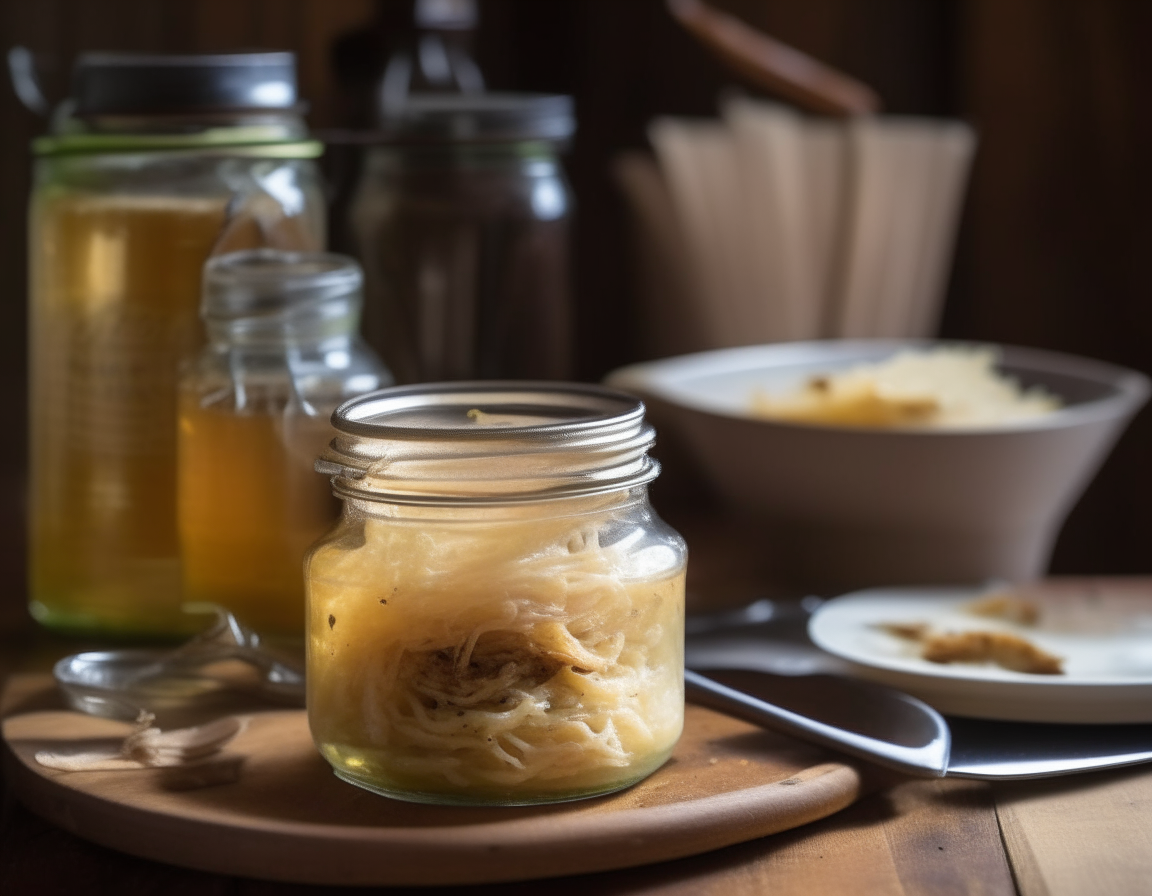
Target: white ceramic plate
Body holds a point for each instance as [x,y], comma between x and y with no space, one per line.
[1105,641]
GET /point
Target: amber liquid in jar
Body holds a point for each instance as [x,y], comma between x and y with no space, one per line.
[116,286]
[250,506]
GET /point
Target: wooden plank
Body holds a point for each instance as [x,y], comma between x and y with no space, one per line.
[1088,835]
[888,843]
[944,840]
[842,856]
[922,838]
[727,782]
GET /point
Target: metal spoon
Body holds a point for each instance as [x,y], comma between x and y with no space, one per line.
[119,684]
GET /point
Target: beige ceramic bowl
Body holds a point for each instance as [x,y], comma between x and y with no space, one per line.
[852,508]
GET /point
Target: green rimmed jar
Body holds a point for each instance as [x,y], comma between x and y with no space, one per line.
[498,617]
[154,164]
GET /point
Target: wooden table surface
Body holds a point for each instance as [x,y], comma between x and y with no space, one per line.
[1076,836]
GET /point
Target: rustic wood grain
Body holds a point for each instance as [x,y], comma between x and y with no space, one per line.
[921,838]
[1054,254]
[1088,835]
[288,818]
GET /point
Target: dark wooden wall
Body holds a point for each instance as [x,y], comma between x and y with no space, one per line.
[1055,243]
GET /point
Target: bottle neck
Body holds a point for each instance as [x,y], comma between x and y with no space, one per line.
[269,298]
[273,335]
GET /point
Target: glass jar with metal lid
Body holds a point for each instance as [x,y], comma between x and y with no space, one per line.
[498,617]
[460,219]
[153,165]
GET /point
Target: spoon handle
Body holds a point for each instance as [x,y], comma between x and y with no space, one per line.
[773,65]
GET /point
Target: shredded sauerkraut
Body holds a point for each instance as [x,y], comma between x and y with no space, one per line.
[513,660]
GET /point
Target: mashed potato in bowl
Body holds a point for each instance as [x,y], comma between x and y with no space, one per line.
[852,506]
[943,387]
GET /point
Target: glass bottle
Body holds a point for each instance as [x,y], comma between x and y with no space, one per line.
[460,218]
[438,59]
[498,617]
[155,164]
[283,352]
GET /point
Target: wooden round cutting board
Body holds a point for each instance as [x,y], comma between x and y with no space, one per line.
[286,817]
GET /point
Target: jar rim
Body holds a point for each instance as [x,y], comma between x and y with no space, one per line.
[366,415]
[256,296]
[488,441]
[244,141]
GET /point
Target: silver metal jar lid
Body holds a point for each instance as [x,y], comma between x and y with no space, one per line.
[488,442]
[136,83]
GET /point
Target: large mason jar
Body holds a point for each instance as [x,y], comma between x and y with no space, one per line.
[155,164]
[498,616]
[460,219]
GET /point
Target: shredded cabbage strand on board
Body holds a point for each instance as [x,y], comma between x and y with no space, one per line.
[944,387]
[499,655]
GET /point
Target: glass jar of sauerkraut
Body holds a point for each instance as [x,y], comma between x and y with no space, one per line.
[498,617]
